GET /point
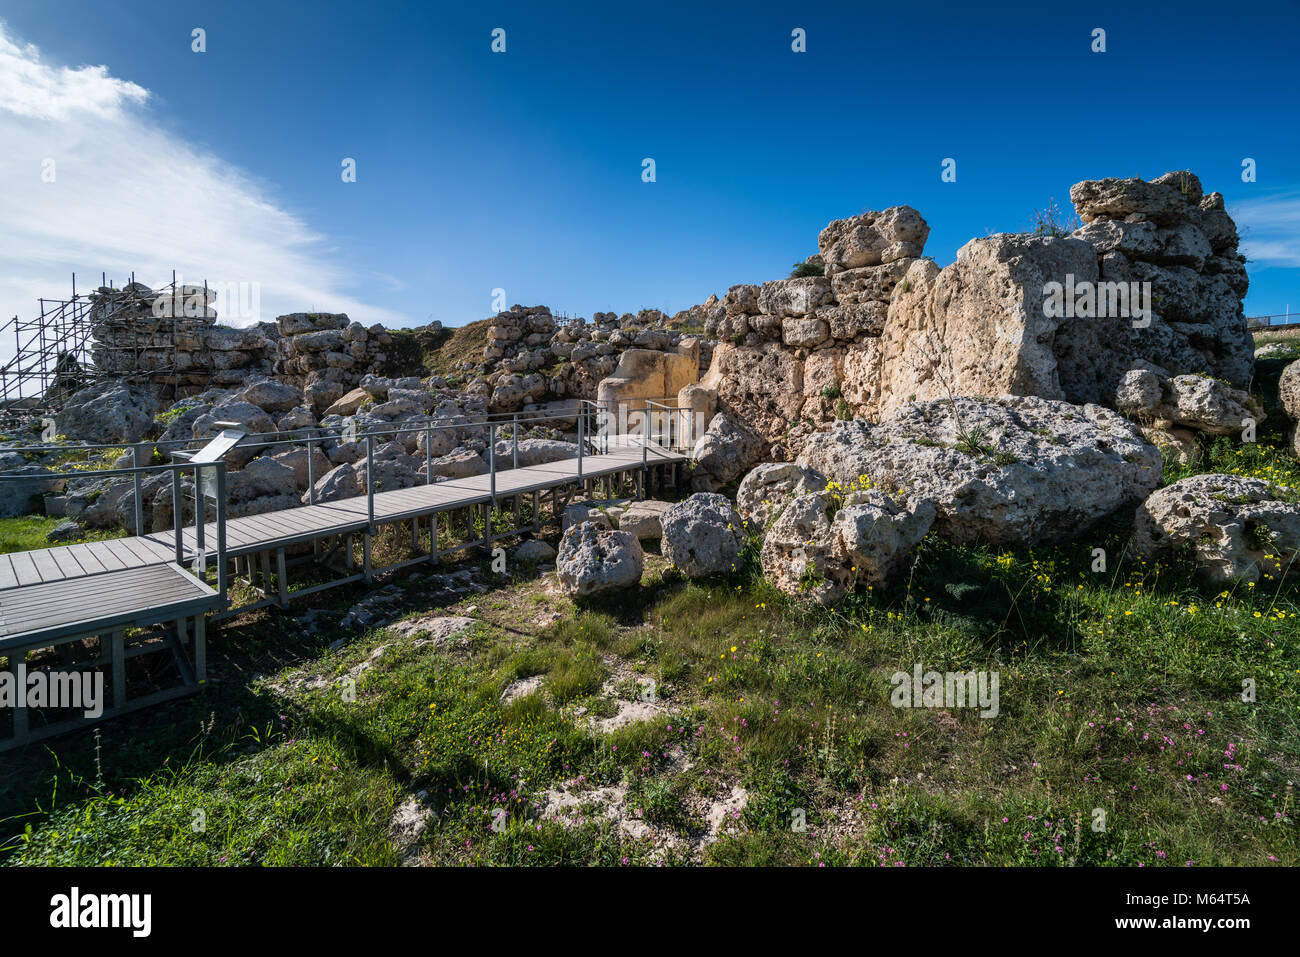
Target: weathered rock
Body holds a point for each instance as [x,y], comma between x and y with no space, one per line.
[1177,446]
[534,550]
[644,519]
[872,238]
[1288,390]
[271,396]
[794,298]
[699,405]
[979,326]
[723,452]
[65,531]
[869,283]
[1238,527]
[533,452]
[770,487]
[251,417]
[296,459]
[1208,405]
[605,513]
[1017,470]
[338,483]
[1160,201]
[349,402]
[847,322]
[804,333]
[593,559]
[456,465]
[107,412]
[810,553]
[295,419]
[702,535]
[22,496]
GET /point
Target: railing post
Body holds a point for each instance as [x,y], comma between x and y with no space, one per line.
[136,484]
[176,514]
[514,435]
[492,461]
[428,454]
[221,530]
[311,471]
[582,413]
[645,437]
[200,511]
[370,483]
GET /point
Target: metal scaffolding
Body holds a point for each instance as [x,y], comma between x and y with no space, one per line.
[53,353]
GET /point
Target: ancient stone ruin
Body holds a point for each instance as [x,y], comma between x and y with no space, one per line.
[1020,394]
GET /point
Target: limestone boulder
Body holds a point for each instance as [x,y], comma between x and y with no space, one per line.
[1238,528]
[644,519]
[723,453]
[702,536]
[1208,405]
[698,405]
[322,393]
[533,452]
[1288,390]
[794,298]
[767,489]
[271,396]
[107,412]
[180,429]
[22,489]
[296,460]
[534,551]
[872,238]
[456,465]
[868,283]
[348,403]
[1162,201]
[296,419]
[593,559]
[1194,402]
[1015,470]
[761,385]
[980,326]
[820,548]
[805,333]
[338,483]
[643,374]
[251,417]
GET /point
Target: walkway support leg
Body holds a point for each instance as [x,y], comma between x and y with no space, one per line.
[282,578]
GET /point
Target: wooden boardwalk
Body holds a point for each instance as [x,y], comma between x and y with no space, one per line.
[134,597]
[273,530]
[34,615]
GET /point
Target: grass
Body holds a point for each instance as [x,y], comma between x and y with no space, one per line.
[1122,736]
[465,343]
[27,532]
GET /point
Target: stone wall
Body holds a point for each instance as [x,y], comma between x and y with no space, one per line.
[796,353]
[326,354]
[168,344]
[884,326]
[532,358]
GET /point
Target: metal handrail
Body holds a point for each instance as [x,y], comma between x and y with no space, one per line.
[178,525]
[477,419]
[586,410]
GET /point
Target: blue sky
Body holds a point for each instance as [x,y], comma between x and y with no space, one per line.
[522,170]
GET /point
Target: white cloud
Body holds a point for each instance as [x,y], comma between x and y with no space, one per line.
[1270,229]
[130,196]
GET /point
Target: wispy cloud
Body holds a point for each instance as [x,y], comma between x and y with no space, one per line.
[1270,228]
[128,195]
